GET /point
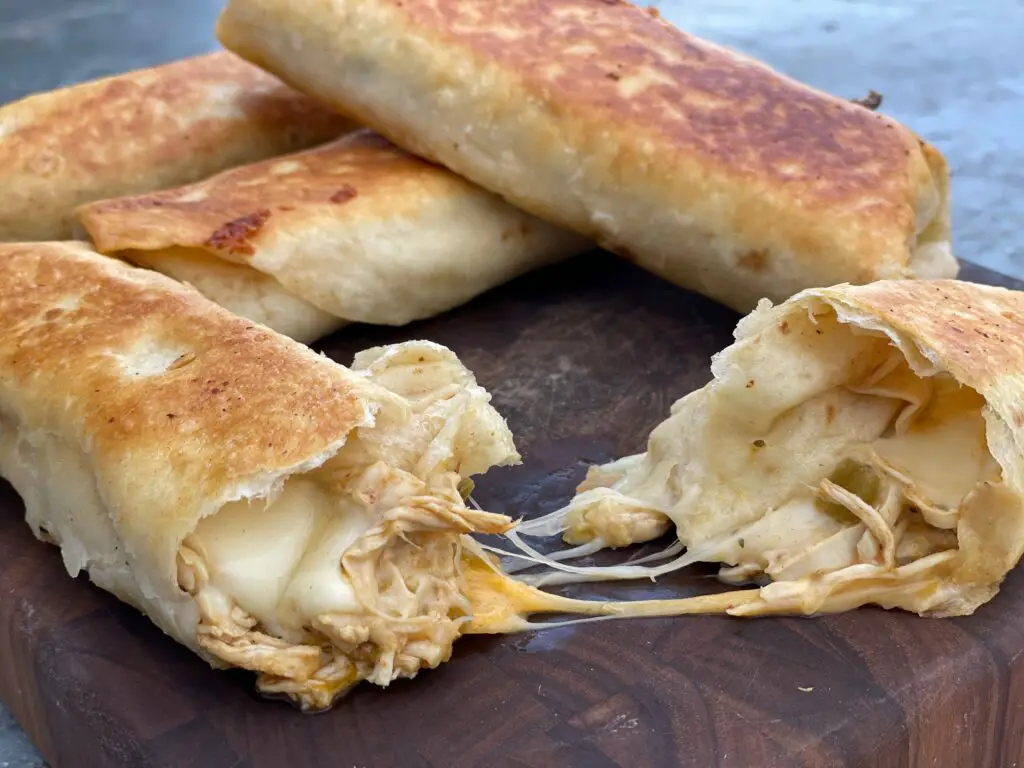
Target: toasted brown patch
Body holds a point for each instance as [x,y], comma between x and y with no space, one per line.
[361,174]
[937,312]
[784,328]
[704,100]
[830,414]
[273,389]
[143,130]
[235,237]
[344,194]
[755,260]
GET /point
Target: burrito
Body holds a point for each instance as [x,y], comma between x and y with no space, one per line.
[699,164]
[857,445]
[144,130]
[353,231]
[267,508]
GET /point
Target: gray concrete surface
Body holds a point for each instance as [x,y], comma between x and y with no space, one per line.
[951,69]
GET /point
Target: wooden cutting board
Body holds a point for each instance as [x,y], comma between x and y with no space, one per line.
[583,360]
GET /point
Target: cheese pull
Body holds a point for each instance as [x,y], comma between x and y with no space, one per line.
[851,449]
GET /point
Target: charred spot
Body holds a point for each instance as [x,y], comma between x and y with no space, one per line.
[110,420]
[234,236]
[784,327]
[755,260]
[286,208]
[750,384]
[613,76]
[52,314]
[171,415]
[186,359]
[344,194]
[872,101]
[759,443]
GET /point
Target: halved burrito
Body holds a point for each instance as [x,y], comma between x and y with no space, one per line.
[356,230]
[701,165]
[858,445]
[264,506]
[144,130]
[267,508]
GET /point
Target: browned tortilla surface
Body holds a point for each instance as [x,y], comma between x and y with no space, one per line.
[144,130]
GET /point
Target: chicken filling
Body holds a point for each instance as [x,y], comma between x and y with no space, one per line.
[353,571]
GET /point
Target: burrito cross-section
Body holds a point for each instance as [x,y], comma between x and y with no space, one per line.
[268,508]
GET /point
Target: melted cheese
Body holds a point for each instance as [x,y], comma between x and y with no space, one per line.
[317,586]
[281,561]
[945,457]
[937,445]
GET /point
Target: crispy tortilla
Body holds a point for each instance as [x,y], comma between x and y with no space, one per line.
[697,163]
[264,506]
[353,231]
[144,130]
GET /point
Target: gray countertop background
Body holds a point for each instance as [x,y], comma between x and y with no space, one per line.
[952,70]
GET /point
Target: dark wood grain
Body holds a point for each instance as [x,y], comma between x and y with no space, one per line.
[583,360]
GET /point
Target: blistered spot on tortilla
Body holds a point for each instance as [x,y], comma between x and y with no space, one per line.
[344,194]
[236,235]
[755,260]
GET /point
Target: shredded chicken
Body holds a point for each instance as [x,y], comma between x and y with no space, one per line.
[405,572]
[368,584]
[882,522]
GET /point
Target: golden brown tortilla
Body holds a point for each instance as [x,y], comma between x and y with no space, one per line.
[144,130]
[352,231]
[263,505]
[697,163]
